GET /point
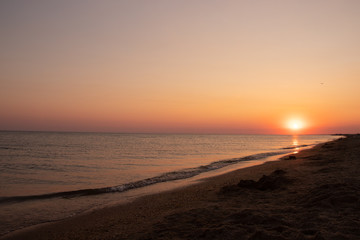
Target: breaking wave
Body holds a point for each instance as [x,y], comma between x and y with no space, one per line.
[169,176]
[298,146]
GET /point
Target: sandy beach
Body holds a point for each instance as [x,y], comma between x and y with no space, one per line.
[313,194]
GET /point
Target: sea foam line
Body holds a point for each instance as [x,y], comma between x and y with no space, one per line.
[169,176]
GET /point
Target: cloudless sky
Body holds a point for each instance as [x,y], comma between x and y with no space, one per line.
[180,66]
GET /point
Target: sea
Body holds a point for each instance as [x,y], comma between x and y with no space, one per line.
[49,176]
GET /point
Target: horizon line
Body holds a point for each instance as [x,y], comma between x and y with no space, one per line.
[166,133]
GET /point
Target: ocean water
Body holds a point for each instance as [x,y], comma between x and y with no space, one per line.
[47,176]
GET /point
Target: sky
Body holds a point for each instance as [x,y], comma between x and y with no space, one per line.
[248,67]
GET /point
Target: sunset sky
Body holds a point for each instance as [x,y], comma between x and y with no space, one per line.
[180,66]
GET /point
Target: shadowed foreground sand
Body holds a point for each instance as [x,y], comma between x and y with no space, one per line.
[315,196]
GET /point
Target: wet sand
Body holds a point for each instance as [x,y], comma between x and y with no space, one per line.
[314,194]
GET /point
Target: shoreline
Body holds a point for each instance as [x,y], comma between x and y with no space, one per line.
[160,187]
[212,198]
[162,178]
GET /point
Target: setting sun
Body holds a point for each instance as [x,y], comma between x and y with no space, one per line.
[295,124]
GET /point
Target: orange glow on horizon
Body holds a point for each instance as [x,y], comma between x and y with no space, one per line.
[232,67]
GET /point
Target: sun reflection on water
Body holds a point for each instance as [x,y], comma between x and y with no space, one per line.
[295,144]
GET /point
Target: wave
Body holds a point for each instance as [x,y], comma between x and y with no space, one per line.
[169,176]
[299,146]
[9,148]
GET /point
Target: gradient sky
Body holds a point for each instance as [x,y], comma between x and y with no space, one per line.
[180,66]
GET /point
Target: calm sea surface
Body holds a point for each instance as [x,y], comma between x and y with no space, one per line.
[48,176]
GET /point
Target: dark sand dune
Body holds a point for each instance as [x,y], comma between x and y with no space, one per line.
[313,195]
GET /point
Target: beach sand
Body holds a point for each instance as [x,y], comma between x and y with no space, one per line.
[311,195]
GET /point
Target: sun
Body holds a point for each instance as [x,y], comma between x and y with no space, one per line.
[295,124]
